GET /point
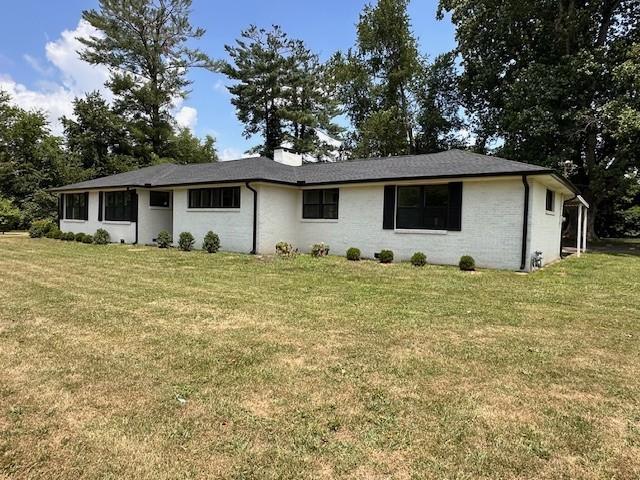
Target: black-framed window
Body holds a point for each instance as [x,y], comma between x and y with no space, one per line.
[423,207]
[75,206]
[222,197]
[159,199]
[322,203]
[550,200]
[118,206]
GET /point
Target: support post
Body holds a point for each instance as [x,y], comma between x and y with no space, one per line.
[584,231]
[579,236]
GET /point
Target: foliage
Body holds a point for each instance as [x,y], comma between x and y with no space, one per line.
[184,148]
[164,239]
[386,256]
[55,233]
[10,216]
[280,92]
[39,228]
[319,250]
[98,137]
[186,241]
[88,238]
[68,236]
[556,84]
[418,259]
[353,254]
[101,237]
[284,249]
[211,242]
[467,263]
[396,102]
[31,161]
[79,237]
[146,46]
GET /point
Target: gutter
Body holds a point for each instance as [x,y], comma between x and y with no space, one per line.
[255,217]
[525,224]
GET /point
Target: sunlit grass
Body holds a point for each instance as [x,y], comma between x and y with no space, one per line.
[123,361]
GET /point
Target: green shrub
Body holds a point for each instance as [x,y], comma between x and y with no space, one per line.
[68,236]
[211,242]
[40,228]
[87,238]
[164,239]
[353,254]
[320,250]
[284,249]
[467,263]
[386,256]
[418,259]
[79,237]
[10,216]
[54,233]
[186,241]
[101,237]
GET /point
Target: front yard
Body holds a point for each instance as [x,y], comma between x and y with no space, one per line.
[120,361]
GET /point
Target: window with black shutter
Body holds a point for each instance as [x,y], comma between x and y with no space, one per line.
[322,203]
[221,197]
[75,206]
[429,207]
[118,206]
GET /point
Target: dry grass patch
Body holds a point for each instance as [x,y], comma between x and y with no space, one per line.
[142,363]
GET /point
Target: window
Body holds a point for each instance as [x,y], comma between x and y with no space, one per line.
[320,203]
[159,199]
[423,207]
[75,206]
[118,206]
[550,201]
[224,197]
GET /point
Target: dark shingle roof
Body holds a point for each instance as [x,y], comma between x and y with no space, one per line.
[449,164]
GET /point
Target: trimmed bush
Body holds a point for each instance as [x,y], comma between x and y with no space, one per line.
[87,238]
[418,259]
[68,236]
[467,263]
[79,237]
[54,233]
[284,249]
[40,228]
[164,239]
[320,250]
[186,241]
[353,254]
[211,242]
[386,256]
[101,237]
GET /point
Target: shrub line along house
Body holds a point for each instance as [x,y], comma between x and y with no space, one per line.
[444,204]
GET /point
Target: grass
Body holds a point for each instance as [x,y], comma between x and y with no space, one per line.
[135,362]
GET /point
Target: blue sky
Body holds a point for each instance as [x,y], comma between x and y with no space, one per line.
[39,66]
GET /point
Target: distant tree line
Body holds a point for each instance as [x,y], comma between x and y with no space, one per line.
[550,83]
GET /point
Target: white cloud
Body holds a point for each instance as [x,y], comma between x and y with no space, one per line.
[73,77]
[187,117]
[234,154]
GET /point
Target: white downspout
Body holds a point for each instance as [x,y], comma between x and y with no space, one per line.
[584,231]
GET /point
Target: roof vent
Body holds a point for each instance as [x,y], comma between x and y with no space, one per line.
[287,157]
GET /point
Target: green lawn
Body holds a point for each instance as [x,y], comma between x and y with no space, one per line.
[313,368]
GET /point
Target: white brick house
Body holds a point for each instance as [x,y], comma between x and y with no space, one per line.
[446,205]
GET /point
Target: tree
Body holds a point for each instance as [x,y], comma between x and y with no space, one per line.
[376,81]
[98,137]
[145,45]
[543,83]
[280,91]
[31,160]
[184,148]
